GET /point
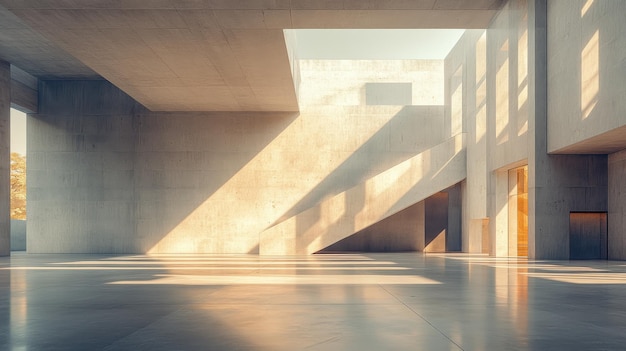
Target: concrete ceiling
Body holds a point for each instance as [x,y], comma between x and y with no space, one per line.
[22,46]
[199,55]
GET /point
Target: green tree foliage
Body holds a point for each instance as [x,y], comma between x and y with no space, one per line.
[18,186]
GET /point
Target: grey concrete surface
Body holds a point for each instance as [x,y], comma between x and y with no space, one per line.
[321,302]
[616,206]
[143,181]
[28,49]
[586,55]
[557,184]
[106,175]
[18,235]
[80,153]
[162,54]
[5,158]
[24,90]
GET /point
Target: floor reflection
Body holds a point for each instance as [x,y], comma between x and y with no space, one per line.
[326,302]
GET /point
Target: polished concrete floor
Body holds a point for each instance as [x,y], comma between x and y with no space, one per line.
[403,301]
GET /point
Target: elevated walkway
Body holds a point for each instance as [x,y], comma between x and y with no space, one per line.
[377,198]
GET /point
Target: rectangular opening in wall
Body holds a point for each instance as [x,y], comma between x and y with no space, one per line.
[588,235]
[389,94]
[18,180]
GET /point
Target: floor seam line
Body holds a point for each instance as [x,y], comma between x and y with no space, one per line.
[144,327]
[422,317]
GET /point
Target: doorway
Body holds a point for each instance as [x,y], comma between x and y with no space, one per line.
[588,236]
[518,211]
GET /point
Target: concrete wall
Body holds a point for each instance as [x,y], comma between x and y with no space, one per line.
[403,231]
[18,235]
[344,82]
[508,115]
[466,88]
[586,74]
[431,225]
[562,184]
[507,86]
[106,175]
[586,110]
[80,169]
[369,202]
[497,83]
[557,184]
[5,158]
[487,96]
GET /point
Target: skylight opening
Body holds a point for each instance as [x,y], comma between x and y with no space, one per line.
[373,44]
[358,67]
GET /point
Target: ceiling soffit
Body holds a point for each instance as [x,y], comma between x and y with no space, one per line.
[214,55]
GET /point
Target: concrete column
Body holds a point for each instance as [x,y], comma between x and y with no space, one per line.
[557,184]
[5,158]
[548,214]
[537,122]
[617,206]
[453,234]
[500,222]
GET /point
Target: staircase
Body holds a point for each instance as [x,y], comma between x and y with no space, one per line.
[375,199]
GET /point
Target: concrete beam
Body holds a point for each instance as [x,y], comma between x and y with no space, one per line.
[23,90]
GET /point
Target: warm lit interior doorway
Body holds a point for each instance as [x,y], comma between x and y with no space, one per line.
[518,211]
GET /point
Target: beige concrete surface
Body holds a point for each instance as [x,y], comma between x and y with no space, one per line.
[106,175]
[344,82]
[370,202]
[401,232]
[466,81]
[505,83]
[225,177]
[587,53]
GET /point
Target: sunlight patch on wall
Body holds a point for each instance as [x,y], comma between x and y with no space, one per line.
[586,7]
[502,96]
[481,87]
[456,103]
[522,82]
[234,210]
[438,244]
[590,75]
